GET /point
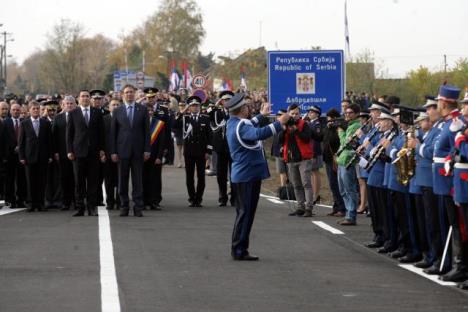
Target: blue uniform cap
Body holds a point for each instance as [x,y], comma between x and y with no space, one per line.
[235,102]
[448,93]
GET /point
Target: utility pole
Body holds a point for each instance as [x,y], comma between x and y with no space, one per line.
[445,64]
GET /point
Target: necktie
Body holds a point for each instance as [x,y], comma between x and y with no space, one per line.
[16,129]
[86,116]
[130,115]
[36,126]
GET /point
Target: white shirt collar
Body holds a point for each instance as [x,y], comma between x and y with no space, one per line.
[34,119]
[83,108]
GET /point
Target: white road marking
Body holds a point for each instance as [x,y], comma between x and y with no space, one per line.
[434,278]
[276,201]
[328,228]
[109,290]
[5,210]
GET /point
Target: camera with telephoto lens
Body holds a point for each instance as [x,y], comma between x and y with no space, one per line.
[291,122]
[338,123]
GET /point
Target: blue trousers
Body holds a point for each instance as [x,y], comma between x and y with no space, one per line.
[247,195]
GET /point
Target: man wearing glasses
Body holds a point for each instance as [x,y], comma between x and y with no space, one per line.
[347,177]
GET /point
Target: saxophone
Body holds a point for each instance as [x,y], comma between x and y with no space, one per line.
[405,163]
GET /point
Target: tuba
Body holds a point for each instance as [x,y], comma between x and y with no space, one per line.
[405,162]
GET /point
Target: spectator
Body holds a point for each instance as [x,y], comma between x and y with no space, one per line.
[276,150]
[317,138]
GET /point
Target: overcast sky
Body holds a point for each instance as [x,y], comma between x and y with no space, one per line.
[403,34]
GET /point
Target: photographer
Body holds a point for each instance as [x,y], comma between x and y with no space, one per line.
[297,153]
[331,143]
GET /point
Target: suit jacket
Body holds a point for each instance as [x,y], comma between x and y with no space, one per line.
[35,149]
[4,142]
[107,135]
[59,133]
[130,140]
[11,135]
[82,139]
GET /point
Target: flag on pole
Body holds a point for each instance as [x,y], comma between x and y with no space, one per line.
[174,79]
[348,51]
[243,82]
[187,78]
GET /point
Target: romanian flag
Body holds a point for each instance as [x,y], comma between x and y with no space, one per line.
[156,127]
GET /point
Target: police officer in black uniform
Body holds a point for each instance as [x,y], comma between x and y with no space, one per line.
[197,145]
[218,118]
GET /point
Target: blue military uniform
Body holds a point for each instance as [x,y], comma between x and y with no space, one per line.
[249,168]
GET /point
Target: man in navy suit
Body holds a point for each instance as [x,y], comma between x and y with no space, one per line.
[130,147]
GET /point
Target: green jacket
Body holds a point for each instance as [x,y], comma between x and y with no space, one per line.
[348,153]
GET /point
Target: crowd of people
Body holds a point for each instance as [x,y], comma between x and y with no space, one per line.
[406,168]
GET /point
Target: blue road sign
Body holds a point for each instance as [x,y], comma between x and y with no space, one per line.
[306,78]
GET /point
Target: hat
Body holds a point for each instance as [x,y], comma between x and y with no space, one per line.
[235,102]
[49,103]
[226,95]
[150,92]
[380,106]
[422,116]
[465,98]
[315,108]
[281,112]
[385,115]
[364,114]
[430,101]
[97,94]
[194,100]
[448,93]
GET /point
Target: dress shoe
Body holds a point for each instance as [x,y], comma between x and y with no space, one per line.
[434,270]
[423,264]
[339,214]
[43,209]
[386,249]
[454,275]
[463,285]
[297,213]
[233,203]
[410,258]
[374,245]
[30,209]
[246,257]
[399,253]
[307,214]
[124,212]
[13,206]
[110,207]
[79,214]
[92,213]
[156,207]
[347,222]
[138,213]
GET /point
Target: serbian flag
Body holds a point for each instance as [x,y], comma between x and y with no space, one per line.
[187,77]
[243,82]
[156,127]
[174,79]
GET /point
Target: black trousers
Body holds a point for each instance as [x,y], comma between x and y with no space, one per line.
[111,182]
[100,197]
[67,181]
[248,194]
[223,167]
[86,181]
[53,193]
[190,163]
[135,165]
[15,188]
[377,200]
[433,224]
[36,177]
[420,225]
[152,183]
[399,230]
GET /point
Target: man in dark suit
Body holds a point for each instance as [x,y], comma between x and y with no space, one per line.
[85,147]
[35,152]
[130,146]
[197,146]
[59,130]
[4,147]
[110,168]
[16,177]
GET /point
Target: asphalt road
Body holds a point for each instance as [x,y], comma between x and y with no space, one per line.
[178,259]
